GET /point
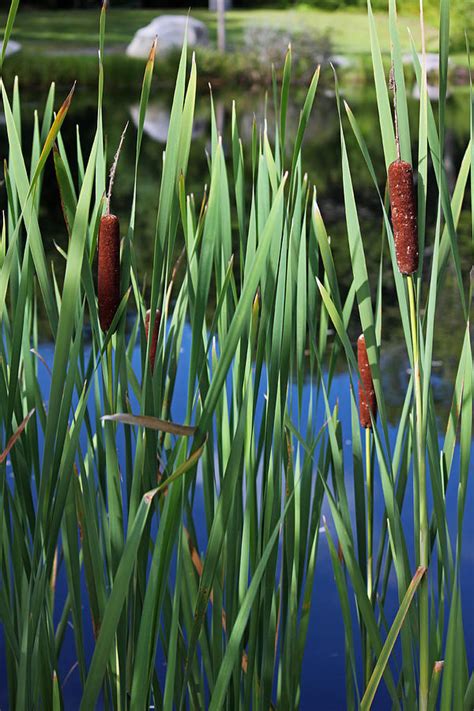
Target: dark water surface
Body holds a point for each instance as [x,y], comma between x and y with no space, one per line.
[321,160]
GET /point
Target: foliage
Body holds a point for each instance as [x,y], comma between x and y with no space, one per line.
[462,25]
[101,486]
[75,32]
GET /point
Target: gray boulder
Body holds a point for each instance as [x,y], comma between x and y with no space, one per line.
[432,61]
[157,122]
[12,47]
[170,31]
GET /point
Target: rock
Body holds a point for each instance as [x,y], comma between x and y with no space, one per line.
[12,47]
[432,61]
[170,30]
[341,61]
[157,122]
[431,89]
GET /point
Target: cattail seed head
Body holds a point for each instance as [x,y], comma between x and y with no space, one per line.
[367,401]
[108,279]
[154,337]
[403,204]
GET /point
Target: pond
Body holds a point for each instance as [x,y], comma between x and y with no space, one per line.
[324,666]
[321,162]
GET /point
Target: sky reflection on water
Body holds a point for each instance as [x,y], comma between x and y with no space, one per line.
[323,668]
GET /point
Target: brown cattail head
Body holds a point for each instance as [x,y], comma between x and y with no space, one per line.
[403,203]
[108,280]
[367,401]
[154,337]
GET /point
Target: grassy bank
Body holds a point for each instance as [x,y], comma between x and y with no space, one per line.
[76,30]
[63,45]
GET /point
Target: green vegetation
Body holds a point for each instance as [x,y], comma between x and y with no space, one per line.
[78,29]
[101,485]
[72,37]
[66,44]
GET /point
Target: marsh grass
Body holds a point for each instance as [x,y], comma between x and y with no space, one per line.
[102,480]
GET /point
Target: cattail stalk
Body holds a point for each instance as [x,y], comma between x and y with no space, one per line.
[110,382]
[154,336]
[423,551]
[403,205]
[367,411]
[108,283]
[402,201]
[370,525]
[370,511]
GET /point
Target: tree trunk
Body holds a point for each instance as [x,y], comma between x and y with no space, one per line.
[221,25]
[213,5]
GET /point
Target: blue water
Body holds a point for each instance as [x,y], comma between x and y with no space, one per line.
[323,676]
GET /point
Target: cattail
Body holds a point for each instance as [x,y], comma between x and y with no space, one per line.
[108,282]
[403,203]
[154,338]
[367,401]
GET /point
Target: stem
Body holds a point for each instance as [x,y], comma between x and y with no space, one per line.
[370,510]
[370,520]
[393,86]
[423,508]
[110,388]
[113,169]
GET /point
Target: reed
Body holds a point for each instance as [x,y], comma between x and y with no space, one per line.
[405,235]
[367,413]
[417,443]
[173,484]
[154,335]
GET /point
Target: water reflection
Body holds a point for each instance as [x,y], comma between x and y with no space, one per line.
[322,162]
[157,122]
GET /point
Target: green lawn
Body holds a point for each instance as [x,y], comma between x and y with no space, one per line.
[77,30]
